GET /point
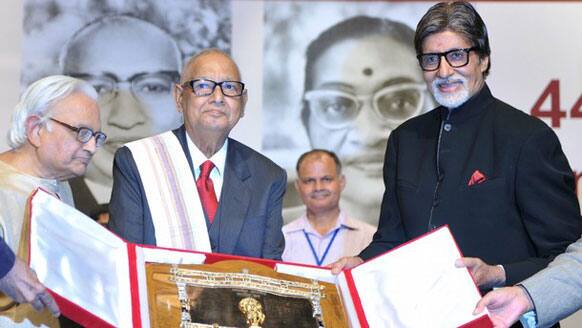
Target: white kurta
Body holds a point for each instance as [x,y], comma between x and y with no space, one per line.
[15,188]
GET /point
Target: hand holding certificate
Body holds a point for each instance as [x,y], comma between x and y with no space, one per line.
[414,285]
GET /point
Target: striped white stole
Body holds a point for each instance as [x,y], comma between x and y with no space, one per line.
[171,193]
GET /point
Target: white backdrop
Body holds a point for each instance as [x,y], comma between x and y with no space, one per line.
[533,44]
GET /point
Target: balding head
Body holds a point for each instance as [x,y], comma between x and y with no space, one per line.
[212,56]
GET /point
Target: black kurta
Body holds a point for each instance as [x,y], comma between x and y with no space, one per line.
[523,214]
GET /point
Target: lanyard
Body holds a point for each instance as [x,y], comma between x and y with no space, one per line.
[317,259]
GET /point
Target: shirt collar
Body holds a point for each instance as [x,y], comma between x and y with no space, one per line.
[342,221]
[218,159]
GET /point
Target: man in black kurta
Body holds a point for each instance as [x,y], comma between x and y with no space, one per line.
[497,176]
[523,214]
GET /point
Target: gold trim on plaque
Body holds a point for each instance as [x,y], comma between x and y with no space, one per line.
[179,295]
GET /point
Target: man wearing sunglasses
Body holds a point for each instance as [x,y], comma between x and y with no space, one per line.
[495,175]
[194,187]
[54,134]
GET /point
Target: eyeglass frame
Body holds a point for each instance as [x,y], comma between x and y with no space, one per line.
[174,76]
[77,130]
[467,51]
[359,99]
[190,85]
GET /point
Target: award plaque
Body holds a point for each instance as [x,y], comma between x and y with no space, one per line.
[236,293]
[141,286]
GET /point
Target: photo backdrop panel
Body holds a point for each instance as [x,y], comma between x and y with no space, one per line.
[339,76]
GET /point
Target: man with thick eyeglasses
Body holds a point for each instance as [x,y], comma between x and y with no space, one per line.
[495,175]
[133,65]
[455,58]
[54,134]
[194,187]
[361,82]
[84,134]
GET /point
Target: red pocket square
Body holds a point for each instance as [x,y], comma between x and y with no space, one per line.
[476,178]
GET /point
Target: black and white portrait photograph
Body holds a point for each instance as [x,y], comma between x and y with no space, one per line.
[349,77]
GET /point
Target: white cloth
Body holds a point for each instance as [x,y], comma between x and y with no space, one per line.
[170,188]
[15,189]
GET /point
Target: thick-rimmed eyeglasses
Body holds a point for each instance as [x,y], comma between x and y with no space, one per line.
[393,105]
[204,87]
[455,57]
[85,134]
[146,87]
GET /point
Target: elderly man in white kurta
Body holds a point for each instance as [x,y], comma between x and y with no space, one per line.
[54,134]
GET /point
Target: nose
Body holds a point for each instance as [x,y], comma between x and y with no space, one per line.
[445,70]
[318,185]
[217,97]
[126,111]
[367,131]
[91,145]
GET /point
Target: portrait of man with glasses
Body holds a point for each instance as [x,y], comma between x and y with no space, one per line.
[134,83]
[361,82]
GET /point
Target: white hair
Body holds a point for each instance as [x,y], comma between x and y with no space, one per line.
[38,100]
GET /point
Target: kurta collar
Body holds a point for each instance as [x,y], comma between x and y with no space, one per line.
[476,105]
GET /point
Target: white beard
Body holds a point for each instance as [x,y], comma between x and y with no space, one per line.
[450,100]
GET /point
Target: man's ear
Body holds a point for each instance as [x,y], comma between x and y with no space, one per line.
[33,127]
[243,103]
[177,94]
[484,63]
[342,181]
[296,184]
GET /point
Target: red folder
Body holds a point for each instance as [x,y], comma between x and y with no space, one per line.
[413,285]
[98,279]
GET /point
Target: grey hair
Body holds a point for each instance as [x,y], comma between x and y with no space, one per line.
[38,100]
[459,17]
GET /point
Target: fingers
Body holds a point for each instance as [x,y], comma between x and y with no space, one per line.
[482,304]
[466,262]
[37,303]
[44,299]
[338,266]
[459,263]
[50,304]
[345,263]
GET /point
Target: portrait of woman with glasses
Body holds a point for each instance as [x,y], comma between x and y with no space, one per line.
[361,81]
